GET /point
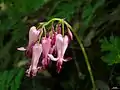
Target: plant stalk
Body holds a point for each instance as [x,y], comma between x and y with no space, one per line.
[85,55]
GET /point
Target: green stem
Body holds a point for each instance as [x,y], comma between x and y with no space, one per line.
[85,55]
[44,31]
[62,27]
[40,36]
[54,19]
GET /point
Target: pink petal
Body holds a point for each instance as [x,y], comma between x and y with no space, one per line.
[59,65]
[53,39]
[46,45]
[36,53]
[33,35]
[58,27]
[65,45]
[59,44]
[70,34]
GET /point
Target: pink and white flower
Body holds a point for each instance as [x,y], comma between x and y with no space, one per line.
[36,53]
[61,46]
[33,37]
[46,45]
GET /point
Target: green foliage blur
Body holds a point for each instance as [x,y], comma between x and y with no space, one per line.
[94,21]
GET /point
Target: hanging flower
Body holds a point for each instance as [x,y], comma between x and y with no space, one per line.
[53,46]
[36,53]
[46,45]
[33,37]
[70,34]
[61,46]
[58,28]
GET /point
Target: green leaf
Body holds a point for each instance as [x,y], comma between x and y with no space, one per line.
[112,49]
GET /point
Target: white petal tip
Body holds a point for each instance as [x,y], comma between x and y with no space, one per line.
[21,49]
[52,57]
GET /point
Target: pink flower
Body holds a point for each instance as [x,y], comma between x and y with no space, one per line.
[70,34]
[58,28]
[61,46]
[53,40]
[33,37]
[37,50]
[46,45]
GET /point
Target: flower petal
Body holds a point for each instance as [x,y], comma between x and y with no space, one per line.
[52,57]
[36,53]
[59,44]
[65,45]
[70,34]
[67,59]
[33,35]
[21,49]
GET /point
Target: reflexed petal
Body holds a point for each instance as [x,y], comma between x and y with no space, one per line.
[21,49]
[67,59]
[52,57]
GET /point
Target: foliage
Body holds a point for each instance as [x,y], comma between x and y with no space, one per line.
[64,9]
[11,79]
[92,20]
[112,49]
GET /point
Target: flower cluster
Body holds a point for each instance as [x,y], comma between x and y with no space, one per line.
[44,48]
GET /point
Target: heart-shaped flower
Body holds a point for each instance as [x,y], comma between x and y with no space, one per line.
[46,45]
[61,46]
[36,53]
[33,37]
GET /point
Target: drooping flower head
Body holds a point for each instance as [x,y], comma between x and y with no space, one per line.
[42,49]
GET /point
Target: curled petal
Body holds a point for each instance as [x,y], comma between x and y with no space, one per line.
[21,49]
[52,57]
[67,59]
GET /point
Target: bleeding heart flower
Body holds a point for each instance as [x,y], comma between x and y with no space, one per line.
[53,40]
[46,45]
[36,53]
[61,46]
[70,34]
[58,28]
[33,37]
